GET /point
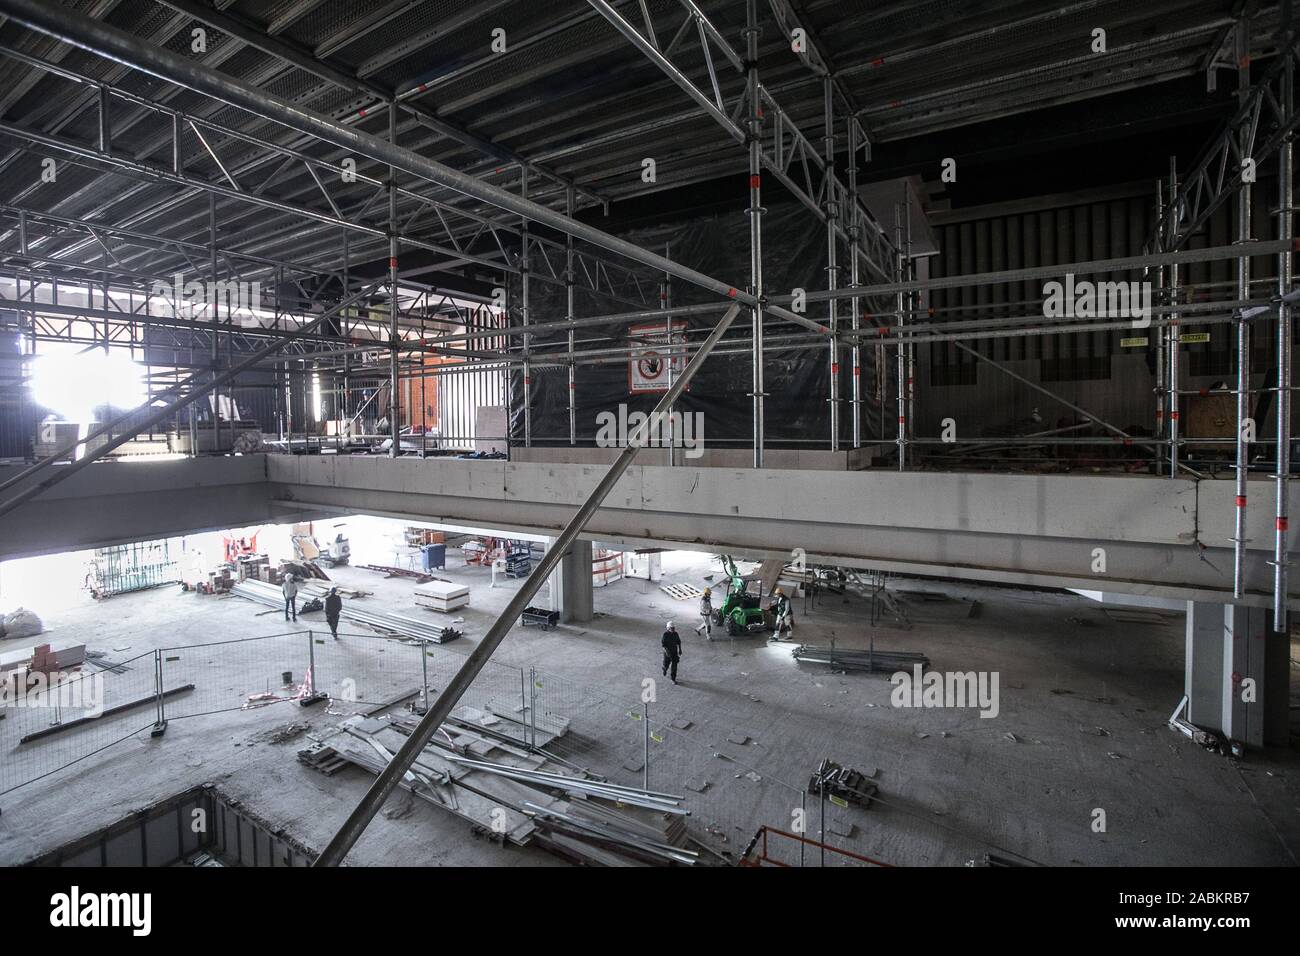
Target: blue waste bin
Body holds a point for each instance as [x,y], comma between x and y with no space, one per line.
[433,556]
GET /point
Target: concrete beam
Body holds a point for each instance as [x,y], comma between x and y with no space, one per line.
[118,502]
[1135,535]
[1130,534]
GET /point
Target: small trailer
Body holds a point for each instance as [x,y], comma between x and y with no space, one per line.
[541,617]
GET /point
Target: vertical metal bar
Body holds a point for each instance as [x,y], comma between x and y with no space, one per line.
[645,766]
[803,815]
[394,405]
[176,143]
[1285,233]
[532,704]
[1163,334]
[1242,44]
[914,306]
[832,253]
[855,304]
[665,305]
[1174,349]
[569,299]
[216,319]
[424,676]
[523,701]
[105,131]
[755,211]
[523,313]
[900,353]
[160,719]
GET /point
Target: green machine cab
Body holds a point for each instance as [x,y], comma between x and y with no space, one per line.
[740,612]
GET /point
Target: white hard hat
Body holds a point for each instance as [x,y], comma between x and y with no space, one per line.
[670,625]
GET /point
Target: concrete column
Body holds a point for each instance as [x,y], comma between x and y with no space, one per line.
[571,588]
[1228,647]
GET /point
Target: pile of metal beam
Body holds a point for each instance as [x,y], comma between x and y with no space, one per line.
[269,594]
[861,660]
[520,796]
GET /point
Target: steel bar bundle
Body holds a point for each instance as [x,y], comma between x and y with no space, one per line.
[269,594]
[629,796]
[855,659]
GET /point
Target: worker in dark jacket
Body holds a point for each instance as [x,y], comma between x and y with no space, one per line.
[672,645]
[333,607]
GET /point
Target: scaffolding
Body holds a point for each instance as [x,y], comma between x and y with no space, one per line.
[130,567]
[286,169]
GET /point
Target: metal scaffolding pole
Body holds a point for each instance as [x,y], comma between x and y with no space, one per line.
[1285,233]
[901,361]
[388,779]
[394,403]
[665,303]
[523,312]
[832,259]
[1160,334]
[216,322]
[855,304]
[569,317]
[1242,46]
[1174,349]
[755,212]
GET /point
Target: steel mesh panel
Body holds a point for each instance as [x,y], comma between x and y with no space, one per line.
[426,16]
[327,20]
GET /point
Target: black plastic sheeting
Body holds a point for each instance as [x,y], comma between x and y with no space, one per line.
[797,380]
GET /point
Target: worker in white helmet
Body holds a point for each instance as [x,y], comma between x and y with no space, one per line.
[706,614]
[784,618]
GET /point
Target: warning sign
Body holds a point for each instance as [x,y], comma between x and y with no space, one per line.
[650,368]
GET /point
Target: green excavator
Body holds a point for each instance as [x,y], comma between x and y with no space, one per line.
[740,612]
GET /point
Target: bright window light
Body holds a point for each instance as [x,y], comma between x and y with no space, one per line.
[73,385]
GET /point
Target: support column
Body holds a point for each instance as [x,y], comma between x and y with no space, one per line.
[1236,673]
[571,587]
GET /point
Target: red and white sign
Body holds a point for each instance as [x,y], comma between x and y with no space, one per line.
[649,367]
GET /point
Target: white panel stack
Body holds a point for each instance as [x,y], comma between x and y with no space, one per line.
[441,595]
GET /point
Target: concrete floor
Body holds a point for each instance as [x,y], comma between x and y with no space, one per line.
[1082,725]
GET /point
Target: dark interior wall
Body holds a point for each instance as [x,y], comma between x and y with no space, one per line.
[1089,369]
[797,381]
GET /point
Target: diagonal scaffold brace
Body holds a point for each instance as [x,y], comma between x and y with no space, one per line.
[387,781]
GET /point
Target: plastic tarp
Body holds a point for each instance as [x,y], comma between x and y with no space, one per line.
[796,380]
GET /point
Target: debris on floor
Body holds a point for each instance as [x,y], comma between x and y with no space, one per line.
[844,783]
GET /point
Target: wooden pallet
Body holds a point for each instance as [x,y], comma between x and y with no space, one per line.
[681,592]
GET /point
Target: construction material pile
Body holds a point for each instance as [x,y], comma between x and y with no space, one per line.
[20,622]
[840,658]
[387,621]
[514,793]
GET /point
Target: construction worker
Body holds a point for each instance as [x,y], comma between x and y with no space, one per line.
[672,645]
[333,607]
[706,614]
[290,591]
[784,619]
